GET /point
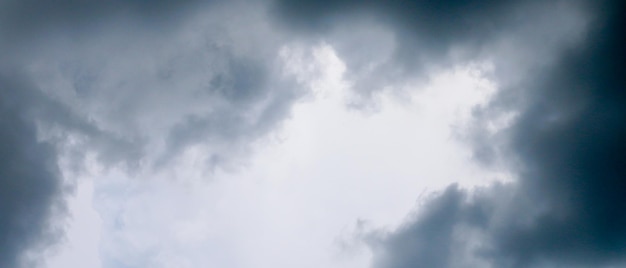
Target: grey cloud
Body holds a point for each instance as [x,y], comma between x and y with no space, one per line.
[32,189]
[257,99]
[428,240]
[451,230]
[567,208]
[415,37]
[569,141]
[136,80]
[135,83]
[24,18]
[570,137]
[30,183]
[209,79]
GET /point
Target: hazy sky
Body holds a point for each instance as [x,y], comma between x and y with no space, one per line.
[301,133]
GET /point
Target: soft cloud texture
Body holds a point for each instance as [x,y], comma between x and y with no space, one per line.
[30,182]
[297,201]
[87,79]
[565,142]
[153,90]
[386,44]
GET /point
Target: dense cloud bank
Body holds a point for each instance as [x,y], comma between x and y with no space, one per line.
[566,144]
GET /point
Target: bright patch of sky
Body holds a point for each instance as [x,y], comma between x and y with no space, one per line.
[307,189]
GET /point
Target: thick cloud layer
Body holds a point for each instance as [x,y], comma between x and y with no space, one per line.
[566,145]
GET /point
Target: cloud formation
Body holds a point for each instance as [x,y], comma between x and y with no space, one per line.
[135,84]
[389,43]
[566,143]
[30,182]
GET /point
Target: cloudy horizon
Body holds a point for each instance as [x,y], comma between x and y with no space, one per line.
[298,133]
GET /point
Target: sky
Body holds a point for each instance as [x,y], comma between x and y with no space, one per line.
[338,134]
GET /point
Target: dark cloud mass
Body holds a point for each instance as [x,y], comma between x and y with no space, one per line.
[426,36]
[30,182]
[571,139]
[567,144]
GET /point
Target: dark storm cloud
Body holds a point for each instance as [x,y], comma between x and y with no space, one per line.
[571,138]
[566,145]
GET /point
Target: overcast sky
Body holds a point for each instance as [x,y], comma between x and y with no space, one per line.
[308,133]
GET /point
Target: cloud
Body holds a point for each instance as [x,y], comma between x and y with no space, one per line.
[386,44]
[22,19]
[30,182]
[428,242]
[134,83]
[565,143]
[140,83]
[205,79]
[569,138]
